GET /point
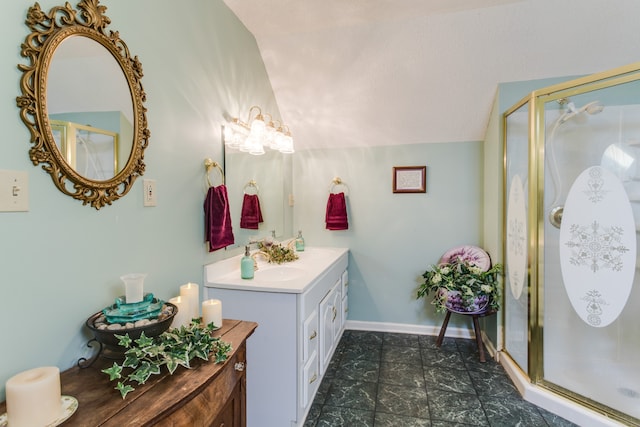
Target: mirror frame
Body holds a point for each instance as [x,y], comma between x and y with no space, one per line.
[47,32]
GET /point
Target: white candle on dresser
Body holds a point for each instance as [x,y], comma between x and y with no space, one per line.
[190,292]
[182,316]
[212,312]
[33,397]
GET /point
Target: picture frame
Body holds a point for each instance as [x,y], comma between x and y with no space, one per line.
[409,179]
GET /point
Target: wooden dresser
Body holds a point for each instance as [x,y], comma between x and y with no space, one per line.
[209,394]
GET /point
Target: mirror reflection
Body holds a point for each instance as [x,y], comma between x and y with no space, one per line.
[92,124]
[81,74]
[261,175]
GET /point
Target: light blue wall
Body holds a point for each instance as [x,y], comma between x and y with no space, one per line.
[61,261]
[393,238]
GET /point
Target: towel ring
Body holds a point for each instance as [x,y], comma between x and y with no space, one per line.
[250,184]
[210,164]
[336,182]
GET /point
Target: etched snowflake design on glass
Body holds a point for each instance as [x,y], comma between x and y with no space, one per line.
[516,237]
[597,247]
[594,306]
[595,184]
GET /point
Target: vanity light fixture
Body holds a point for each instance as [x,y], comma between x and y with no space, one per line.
[257,133]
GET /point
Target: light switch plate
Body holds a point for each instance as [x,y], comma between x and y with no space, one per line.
[14,191]
[149,195]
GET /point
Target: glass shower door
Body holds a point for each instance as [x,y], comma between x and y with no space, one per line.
[589,286]
[516,295]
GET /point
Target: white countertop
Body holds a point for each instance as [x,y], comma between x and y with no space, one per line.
[290,277]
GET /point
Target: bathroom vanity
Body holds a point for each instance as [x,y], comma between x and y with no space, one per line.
[301,308]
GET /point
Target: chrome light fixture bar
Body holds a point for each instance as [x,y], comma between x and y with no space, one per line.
[257,133]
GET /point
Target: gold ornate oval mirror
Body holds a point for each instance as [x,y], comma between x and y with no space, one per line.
[82,100]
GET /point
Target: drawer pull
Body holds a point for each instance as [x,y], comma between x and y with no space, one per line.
[239,366]
[313,335]
[335,313]
[313,378]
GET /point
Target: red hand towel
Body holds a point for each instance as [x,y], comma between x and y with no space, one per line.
[336,215]
[217,218]
[251,214]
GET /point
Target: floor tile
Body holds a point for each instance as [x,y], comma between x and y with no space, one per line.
[392,420]
[402,340]
[448,379]
[378,379]
[456,407]
[397,354]
[352,394]
[333,416]
[410,375]
[402,400]
[358,369]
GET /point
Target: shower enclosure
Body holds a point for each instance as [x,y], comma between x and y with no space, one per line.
[572,221]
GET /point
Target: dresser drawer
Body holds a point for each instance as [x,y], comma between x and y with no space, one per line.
[219,400]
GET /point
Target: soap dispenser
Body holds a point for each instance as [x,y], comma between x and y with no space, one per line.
[300,242]
[246,265]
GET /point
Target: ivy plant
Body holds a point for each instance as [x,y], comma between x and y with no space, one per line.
[145,356]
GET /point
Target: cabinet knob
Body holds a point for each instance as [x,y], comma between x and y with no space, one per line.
[239,366]
[313,378]
[313,335]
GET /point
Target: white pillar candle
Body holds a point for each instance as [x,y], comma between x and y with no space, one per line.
[212,312]
[190,293]
[33,397]
[134,287]
[182,316]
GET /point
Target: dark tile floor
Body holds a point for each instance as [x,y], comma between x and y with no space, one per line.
[378,379]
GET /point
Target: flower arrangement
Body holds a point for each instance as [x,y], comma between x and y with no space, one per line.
[461,286]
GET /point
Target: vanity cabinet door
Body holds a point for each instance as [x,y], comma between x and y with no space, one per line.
[345,298]
[311,336]
[310,380]
[329,323]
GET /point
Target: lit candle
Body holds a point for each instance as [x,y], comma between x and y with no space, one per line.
[182,316]
[190,293]
[212,312]
[33,397]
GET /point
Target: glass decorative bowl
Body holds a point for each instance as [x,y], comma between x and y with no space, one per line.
[121,312]
[107,337]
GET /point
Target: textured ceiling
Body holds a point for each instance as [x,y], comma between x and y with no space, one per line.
[383,72]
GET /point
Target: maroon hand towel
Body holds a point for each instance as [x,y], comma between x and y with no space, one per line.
[251,214]
[217,218]
[336,215]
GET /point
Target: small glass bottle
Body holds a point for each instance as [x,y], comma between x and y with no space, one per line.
[246,265]
[300,242]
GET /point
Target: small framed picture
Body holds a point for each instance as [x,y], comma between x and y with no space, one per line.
[409,179]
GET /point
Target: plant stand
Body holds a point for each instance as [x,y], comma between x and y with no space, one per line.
[476,327]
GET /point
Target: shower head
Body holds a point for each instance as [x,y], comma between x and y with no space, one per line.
[593,107]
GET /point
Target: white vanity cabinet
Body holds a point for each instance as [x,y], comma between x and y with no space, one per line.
[298,308]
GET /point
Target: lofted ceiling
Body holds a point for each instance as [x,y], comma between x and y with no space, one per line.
[385,72]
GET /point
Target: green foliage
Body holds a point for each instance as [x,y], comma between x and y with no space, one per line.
[176,347]
[470,282]
[277,253]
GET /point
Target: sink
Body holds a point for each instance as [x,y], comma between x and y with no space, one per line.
[279,273]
